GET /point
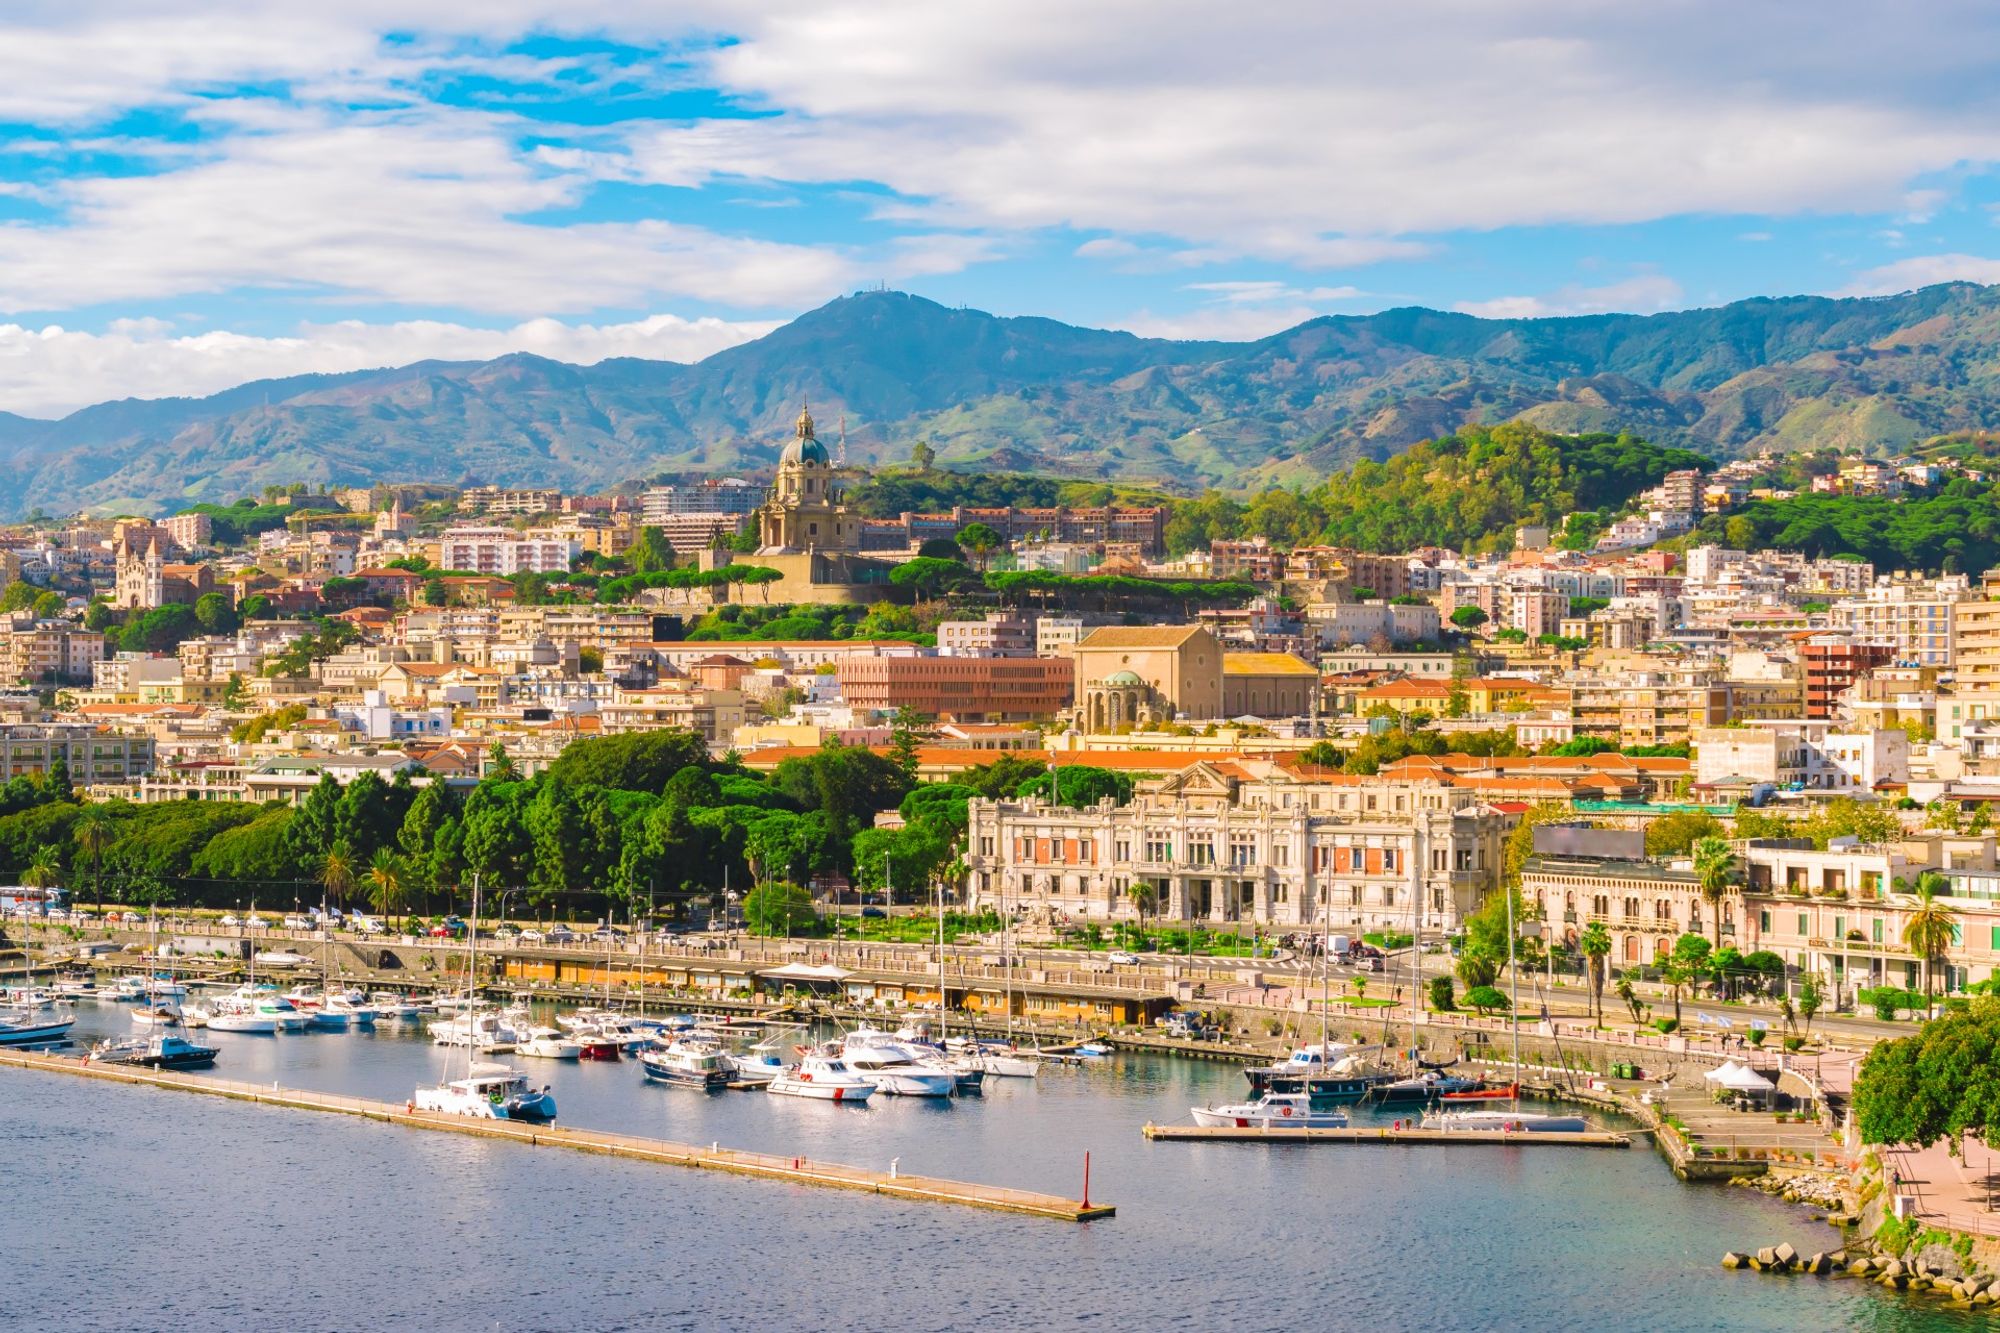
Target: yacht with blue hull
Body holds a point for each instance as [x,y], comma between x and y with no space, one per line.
[688,1065]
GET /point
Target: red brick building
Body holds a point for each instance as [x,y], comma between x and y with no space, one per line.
[961,689]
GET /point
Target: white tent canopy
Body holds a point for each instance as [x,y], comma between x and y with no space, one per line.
[806,972]
[1739,1078]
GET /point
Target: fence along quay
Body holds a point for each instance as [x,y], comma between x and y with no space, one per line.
[795,1170]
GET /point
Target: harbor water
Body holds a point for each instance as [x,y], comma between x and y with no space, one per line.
[132,1208]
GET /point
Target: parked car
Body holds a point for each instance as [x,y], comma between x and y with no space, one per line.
[561,935]
[130,918]
[229,919]
[256,923]
[367,925]
[530,935]
[608,935]
[873,911]
[293,921]
[1122,958]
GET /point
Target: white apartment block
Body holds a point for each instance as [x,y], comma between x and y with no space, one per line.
[1808,756]
[1916,617]
[502,551]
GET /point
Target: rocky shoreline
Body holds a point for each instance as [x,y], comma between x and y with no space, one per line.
[1935,1270]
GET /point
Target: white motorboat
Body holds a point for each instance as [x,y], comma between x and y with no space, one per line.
[483,1030]
[76,985]
[549,1044]
[29,999]
[755,1065]
[130,987]
[996,1059]
[490,1092]
[393,1008]
[231,1018]
[1274,1110]
[280,958]
[895,1068]
[823,1078]
[1493,1121]
[345,1011]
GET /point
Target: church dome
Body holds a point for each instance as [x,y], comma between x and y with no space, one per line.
[1124,678]
[804,448]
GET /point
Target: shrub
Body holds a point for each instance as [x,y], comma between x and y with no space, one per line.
[1485,999]
[1756,1036]
[1442,999]
[1667,1024]
[1794,1043]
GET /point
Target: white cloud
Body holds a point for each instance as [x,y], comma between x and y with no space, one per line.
[1922,271]
[51,371]
[1646,293]
[1218,323]
[1107,247]
[1264,291]
[1293,134]
[1180,133]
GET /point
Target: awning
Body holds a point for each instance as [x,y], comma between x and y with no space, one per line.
[806,972]
[1739,1078]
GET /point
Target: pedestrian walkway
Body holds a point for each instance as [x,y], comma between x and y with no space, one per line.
[1954,1193]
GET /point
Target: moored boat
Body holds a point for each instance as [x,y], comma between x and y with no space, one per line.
[1491,1120]
[1274,1110]
[687,1064]
[489,1092]
[821,1078]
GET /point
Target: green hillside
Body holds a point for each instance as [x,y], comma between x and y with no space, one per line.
[884,369]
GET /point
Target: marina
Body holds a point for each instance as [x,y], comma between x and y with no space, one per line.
[796,1170]
[786,1198]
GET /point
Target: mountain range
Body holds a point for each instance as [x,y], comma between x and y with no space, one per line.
[884,369]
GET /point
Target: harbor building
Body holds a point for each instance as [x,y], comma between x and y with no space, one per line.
[1249,842]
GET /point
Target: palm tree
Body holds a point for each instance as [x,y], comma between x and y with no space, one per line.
[93,836]
[1715,871]
[1140,893]
[388,890]
[336,872]
[45,868]
[1595,942]
[1932,928]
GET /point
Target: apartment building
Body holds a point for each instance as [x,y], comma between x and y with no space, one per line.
[500,552]
[500,500]
[1805,755]
[999,634]
[1834,664]
[1917,618]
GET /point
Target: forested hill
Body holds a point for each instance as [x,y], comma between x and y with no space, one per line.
[1035,395]
[1467,491]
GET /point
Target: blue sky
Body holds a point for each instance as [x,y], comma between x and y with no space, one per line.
[192,199]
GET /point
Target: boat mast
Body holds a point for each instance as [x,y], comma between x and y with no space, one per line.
[471,971]
[1514,1000]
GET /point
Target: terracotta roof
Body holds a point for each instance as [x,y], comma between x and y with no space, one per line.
[1140,636]
[1265,664]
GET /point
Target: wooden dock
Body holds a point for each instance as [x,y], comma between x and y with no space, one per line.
[1592,1138]
[796,1170]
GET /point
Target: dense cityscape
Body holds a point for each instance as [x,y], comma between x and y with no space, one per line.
[911,667]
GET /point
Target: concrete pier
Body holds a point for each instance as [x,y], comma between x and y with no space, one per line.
[1385,1135]
[796,1170]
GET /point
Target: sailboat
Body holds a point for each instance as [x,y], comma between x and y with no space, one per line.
[1513,1120]
[488,1091]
